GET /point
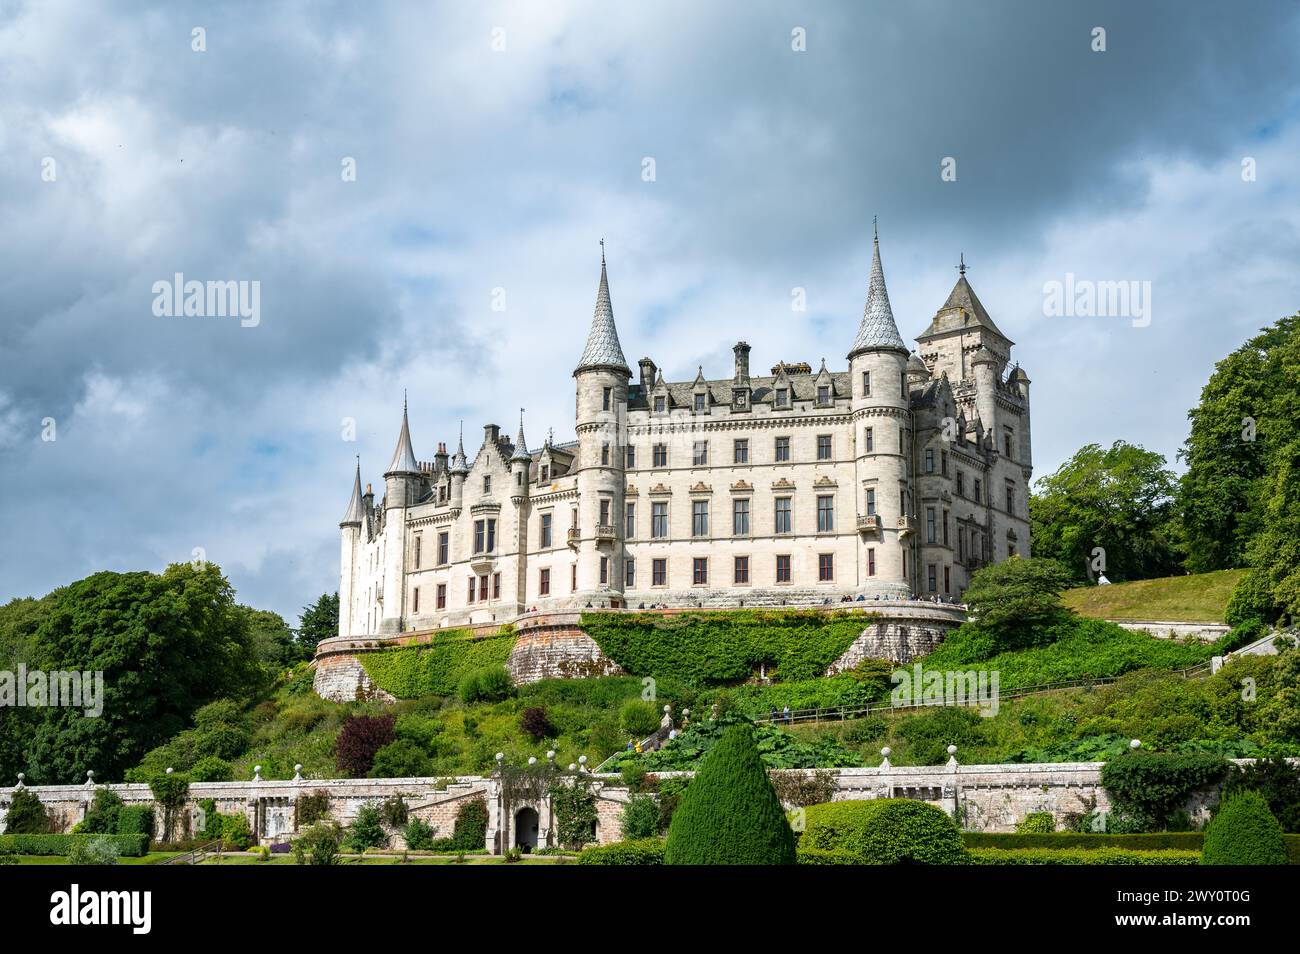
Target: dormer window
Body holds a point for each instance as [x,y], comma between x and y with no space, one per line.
[782,397]
[546,474]
[659,403]
[699,402]
[823,395]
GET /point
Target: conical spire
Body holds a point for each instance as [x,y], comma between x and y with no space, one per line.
[521,449]
[404,461]
[878,330]
[355,508]
[458,463]
[603,350]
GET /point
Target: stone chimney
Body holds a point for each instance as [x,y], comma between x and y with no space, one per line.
[742,363]
[647,374]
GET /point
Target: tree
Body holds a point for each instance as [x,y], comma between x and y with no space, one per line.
[1244,832]
[1120,499]
[166,644]
[360,738]
[640,817]
[536,724]
[318,621]
[277,646]
[1274,778]
[27,815]
[730,814]
[1016,600]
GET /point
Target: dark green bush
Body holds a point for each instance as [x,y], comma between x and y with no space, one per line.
[826,856]
[401,759]
[27,815]
[641,818]
[644,851]
[318,844]
[470,830]
[1037,823]
[212,769]
[730,814]
[367,829]
[885,831]
[1148,789]
[33,844]
[1244,832]
[1277,780]
[102,817]
[1082,856]
[418,835]
[1252,601]
[638,718]
[490,684]
[135,820]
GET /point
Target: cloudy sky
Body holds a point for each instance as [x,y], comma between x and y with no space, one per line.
[493,145]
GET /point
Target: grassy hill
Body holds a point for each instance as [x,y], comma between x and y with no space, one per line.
[1197,598]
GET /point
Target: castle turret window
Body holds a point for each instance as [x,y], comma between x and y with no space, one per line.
[607,397]
[604,569]
[871,502]
[869,440]
[604,511]
[604,455]
[929,460]
[871,561]
[929,525]
[415,600]
[866,384]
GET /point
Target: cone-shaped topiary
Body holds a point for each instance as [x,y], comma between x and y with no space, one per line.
[1244,832]
[729,814]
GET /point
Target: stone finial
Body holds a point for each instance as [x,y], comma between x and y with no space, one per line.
[257,773]
[668,707]
[532,760]
[885,753]
[90,777]
[573,767]
[1135,744]
[582,763]
[550,755]
[500,757]
[297,772]
[170,770]
[21,776]
[952,756]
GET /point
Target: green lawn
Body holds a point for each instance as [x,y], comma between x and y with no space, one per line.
[1199,598]
[152,858]
[242,859]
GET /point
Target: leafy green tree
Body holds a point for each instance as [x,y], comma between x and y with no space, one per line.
[1120,499]
[27,815]
[1246,415]
[641,817]
[1283,710]
[730,814]
[367,829]
[1015,601]
[318,621]
[1274,778]
[166,644]
[278,647]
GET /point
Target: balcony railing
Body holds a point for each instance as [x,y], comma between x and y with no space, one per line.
[575,535]
[605,533]
[868,522]
[906,525]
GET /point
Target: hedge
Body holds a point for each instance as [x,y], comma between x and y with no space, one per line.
[884,831]
[129,845]
[135,820]
[826,856]
[1180,840]
[438,668]
[642,851]
[1082,856]
[721,647]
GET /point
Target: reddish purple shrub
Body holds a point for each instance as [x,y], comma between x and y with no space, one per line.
[359,739]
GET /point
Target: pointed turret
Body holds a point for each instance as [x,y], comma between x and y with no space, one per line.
[603,350]
[356,509]
[458,463]
[878,331]
[521,449]
[404,461]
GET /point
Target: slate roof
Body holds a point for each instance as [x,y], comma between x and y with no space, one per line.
[603,349]
[948,317]
[878,330]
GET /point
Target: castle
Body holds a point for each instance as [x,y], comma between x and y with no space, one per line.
[896,478]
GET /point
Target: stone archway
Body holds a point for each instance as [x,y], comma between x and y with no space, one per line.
[526,828]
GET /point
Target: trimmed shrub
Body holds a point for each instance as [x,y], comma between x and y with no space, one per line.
[826,856]
[359,739]
[1244,832]
[418,835]
[470,830]
[1180,840]
[131,845]
[638,718]
[730,814]
[102,817]
[491,684]
[27,815]
[1081,856]
[885,831]
[367,829]
[212,769]
[641,818]
[135,820]
[1037,823]
[1277,780]
[643,851]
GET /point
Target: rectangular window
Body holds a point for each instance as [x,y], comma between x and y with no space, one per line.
[604,511]
[604,569]
[415,600]
[929,460]
[740,517]
[700,572]
[943,463]
[629,573]
[604,455]
[479,535]
[441,596]
[740,572]
[629,522]
[961,484]
[472,584]
[659,404]
[932,578]
[418,541]
[483,588]
[782,449]
[544,583]
[661,455]
[487,484]
[546,475]
[699,402]
[930,534]
[782,397]
[947,579]
[866,384]
[444,548]
[945,528]
[1011,498]
[658,519]
[740,452]
[823,447]
[659,572]
[783,518]
[1006,444]
[961,543]
[871,502]
[573,578]
[871,561]
[823,395]
[491,536]
[609,392]
[546,531]
[869,439]
[900,440]
[825,514]
[496,586]
[701,456]
[631,457]
[783,569]
[699,518]
[825,567]
[976,491]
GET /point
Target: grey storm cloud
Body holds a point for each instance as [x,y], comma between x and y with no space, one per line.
[484,170]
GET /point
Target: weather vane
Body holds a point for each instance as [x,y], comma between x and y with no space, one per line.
[961,267]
